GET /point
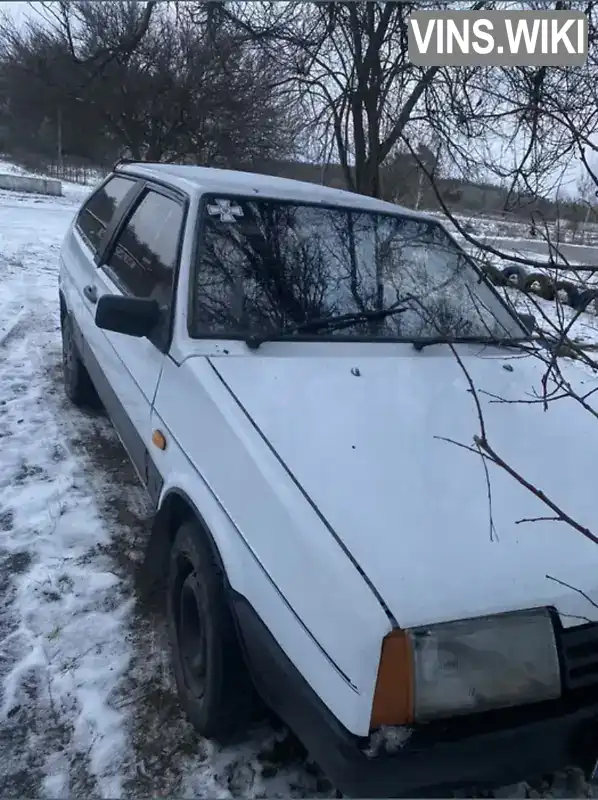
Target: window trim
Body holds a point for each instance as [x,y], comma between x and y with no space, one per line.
[181,199]
[240,337]
[122,211]
[119,208]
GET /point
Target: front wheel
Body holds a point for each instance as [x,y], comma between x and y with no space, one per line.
[213,684]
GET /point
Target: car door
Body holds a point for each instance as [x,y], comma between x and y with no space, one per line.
[82,250]
[141,261]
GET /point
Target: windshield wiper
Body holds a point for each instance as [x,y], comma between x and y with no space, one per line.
[333,322]
[419,344]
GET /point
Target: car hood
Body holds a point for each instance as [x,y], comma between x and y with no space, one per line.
[365,438]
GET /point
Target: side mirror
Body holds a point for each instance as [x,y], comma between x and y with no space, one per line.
[130,315]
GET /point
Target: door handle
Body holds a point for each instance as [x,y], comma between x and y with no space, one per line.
[91,293]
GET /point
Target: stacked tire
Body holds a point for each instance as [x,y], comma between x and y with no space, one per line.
[542,285]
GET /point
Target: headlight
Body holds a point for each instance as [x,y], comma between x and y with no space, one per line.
[465,667]
[485,663]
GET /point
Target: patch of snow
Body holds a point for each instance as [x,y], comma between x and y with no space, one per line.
[553,317]
[66,626]
[8,168]
[55,782]
[73,192]
[505,227]
[388,739]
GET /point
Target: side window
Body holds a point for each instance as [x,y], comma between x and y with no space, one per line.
[145,254]
[97,212]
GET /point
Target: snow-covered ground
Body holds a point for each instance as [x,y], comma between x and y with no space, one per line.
[510,226]
[584,279]
[87,704]
[69,189]
[553,318]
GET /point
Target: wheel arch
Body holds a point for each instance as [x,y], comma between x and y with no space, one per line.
[259,616]
[176,507]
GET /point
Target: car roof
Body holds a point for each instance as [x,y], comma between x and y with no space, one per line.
[193,180]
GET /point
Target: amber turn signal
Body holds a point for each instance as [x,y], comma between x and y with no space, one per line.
[159,440]
[393,696]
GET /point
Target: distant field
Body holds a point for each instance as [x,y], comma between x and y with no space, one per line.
[513,228]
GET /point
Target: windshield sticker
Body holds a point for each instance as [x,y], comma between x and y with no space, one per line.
[228,212]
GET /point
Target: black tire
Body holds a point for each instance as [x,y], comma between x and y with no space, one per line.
[585,298]
[516,273]
[77,383]
[571,290]
[216,691]
[493,274]
[540,284]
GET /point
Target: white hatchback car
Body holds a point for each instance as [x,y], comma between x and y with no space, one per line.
[273,356]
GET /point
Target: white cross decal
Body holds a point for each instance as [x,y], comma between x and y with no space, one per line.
[227,212]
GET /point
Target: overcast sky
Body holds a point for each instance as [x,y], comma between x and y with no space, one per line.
[15,9]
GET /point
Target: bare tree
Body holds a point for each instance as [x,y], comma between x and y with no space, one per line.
[555,116]
[166,90]
[97,35]
[347,63]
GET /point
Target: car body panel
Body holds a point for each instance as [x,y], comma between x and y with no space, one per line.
[196,180]
[77,271]
[294,550]
[132,367]
[362,436]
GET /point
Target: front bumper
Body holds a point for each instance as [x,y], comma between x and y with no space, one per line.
[485,751]
[434,762]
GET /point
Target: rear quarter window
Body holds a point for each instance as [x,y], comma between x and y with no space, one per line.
[95,216]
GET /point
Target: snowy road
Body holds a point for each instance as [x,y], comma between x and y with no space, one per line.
[87,705]
[538,250]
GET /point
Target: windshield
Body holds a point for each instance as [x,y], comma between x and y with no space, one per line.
[266,265]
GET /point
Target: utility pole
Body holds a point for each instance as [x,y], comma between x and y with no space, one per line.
[59,138]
